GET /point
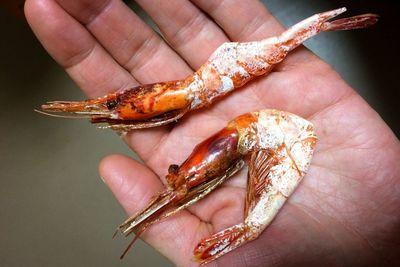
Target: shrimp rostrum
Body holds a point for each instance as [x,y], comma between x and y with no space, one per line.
[276,145]
[231,66]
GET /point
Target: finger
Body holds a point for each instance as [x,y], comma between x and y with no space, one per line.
[133,185]
[195,37]
[248,21]
[89,65]
[130,193]
[190,32]
[242,20]
[128,39]
[73,47]
[136,47]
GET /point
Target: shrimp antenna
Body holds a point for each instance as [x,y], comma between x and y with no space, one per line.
[62,116]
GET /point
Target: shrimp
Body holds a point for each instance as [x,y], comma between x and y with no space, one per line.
[231,66]
[277,147]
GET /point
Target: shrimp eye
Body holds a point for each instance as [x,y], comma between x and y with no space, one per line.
[173,169]
[111,104]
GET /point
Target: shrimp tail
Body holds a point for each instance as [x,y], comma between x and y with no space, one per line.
[356,22]
[221,243]
[300,32]
[350,23]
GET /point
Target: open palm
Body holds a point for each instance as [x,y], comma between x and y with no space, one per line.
[345,212]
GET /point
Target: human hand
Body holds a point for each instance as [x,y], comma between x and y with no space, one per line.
[345,211]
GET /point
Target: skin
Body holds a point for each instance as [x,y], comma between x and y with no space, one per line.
[346,210]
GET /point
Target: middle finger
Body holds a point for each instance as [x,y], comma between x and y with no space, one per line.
[132,43]
[186,28]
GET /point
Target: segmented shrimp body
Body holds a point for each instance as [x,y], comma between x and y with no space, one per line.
[231,66]
[276,145]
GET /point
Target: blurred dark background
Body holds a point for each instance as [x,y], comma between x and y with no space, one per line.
[366,59]
[54,208]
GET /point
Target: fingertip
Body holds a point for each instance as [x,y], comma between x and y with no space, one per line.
[31,9]
[37,11]
[27,7]
[109,166]
[132,183]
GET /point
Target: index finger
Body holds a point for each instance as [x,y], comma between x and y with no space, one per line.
[74,48]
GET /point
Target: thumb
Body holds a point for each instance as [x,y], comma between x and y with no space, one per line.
[133,185]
